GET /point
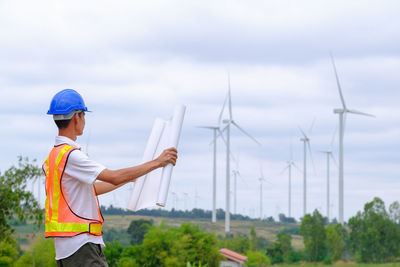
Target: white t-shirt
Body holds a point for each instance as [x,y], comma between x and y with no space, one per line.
[77,184]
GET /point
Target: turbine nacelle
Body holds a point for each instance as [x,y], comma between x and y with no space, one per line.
[304,139]
[339,110]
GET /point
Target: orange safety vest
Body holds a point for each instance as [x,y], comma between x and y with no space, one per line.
[60,220]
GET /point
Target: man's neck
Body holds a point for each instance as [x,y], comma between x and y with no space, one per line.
[66,133]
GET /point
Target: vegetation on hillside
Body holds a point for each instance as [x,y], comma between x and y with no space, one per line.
[371,236]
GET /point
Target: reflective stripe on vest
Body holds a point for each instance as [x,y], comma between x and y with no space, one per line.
[60,220]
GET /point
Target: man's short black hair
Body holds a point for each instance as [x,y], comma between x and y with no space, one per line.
[61,124]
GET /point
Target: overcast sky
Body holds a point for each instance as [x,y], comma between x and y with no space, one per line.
[133,61]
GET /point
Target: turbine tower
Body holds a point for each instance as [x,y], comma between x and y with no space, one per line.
[261,179]
[288,167]
[342,120]
[235,175]
[214,183]
[215,130]
[228,123]
[328,156]
[306,142]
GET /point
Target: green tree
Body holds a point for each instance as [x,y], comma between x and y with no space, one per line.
[281,250]
[239,243]
[336,237]
[374,237]
[164,246]
[15,202]
[8,252]
[284,242]
[112,252]
[257,259]
[394,212]
[313,231]
[131,256]
[41,253]
[253,239]
[137,229]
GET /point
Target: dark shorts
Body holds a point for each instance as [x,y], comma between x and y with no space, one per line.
[88,255]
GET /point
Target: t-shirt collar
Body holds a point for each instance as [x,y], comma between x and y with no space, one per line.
[65,140]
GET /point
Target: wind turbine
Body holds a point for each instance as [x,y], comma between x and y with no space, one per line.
[228,123]
[261,179]
[288,167]
[215,129]
[236,174]
[342,120]
[185,199]
[329,155]
[214,183]
[196,197]
[306,142]
[175,196]
[38,181]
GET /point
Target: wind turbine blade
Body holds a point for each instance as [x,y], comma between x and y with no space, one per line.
[312,126]
[220,134]
[311,156]
[88,141]
[334,160]
[241,177]
[229,95]
[333,137]
[301,130]
[360,113]
[268,182]
[222,110]
[284,169]
[291,151]
[294,165]
[246,133]
[207,127]
[261,171]
[338,83]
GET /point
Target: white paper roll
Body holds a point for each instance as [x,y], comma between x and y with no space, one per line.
[175,132]
[151,147]
[152,189]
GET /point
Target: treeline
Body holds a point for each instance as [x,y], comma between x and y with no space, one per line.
[191,214]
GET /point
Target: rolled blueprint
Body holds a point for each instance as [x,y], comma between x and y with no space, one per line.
[152,189]
[175,128]
[151,147]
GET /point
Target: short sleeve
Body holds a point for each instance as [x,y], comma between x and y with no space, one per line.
[81,167]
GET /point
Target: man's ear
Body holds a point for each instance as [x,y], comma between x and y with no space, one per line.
[75,118]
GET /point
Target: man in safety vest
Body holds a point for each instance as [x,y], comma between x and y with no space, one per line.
[72,212]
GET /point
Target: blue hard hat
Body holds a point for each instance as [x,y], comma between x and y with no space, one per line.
[66,101]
